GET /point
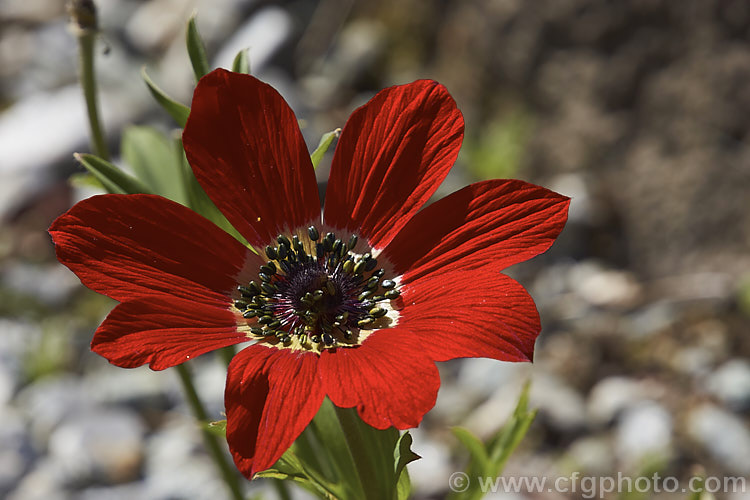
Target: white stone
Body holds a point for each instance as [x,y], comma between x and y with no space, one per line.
[30,11]
[49,401]
[100,445]
[644,433]
[47,127]
[560,403]
[51,284]
[612,395]
[46,481]
[482,376]
[723,435]
[592,455]
[15,452]
[604,287]
[263,34]
[154,24]
[731,383]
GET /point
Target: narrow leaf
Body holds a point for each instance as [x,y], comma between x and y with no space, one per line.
[372,450]
[112,178]
[403,455]
[241,63]
[150,154]
[218,428]
[480,461]
[488,460]
[196,50]
[505,442]
[323,145]
[198,200]
[178,111]
[403,487]
[85,180]
[332,451]
[289,466]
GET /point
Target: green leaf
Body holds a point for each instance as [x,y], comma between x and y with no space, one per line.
[402,455]
[324,439]
[290,467]
[489,459]
[479,457]
[403,487]
[178,111]
[196,50]
[373,452]
[241,63]
[504,443]
[112,178]
[341,455]
[219,428]
[151,155]
[85,180]
[198,200]
[323,145]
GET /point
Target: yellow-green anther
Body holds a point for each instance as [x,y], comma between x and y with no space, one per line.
[377,312]
[348,266]
[359,267]
[365,322]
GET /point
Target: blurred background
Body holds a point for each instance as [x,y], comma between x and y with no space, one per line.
[637,109]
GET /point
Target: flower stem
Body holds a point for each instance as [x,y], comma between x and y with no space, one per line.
[281,489]
[212,443]
[226,354]
[83,17]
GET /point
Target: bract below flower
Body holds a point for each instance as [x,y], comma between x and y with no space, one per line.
[356,303]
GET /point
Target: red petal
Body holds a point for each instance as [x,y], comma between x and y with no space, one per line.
[479,313]
[271,396]
[392,155]
[163,332]
[131,246]
[497,222]
[247,151]
[388,378]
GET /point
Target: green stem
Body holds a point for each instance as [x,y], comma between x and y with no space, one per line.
[86,42]
[350,424]
[212,443]
[227,353]
[281,489]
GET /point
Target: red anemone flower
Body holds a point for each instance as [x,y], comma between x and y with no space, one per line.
[357,303]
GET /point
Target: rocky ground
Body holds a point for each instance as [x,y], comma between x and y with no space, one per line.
[637,109]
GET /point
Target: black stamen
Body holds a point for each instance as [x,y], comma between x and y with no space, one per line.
[316,301]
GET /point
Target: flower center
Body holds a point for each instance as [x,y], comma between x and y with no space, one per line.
[317,293]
